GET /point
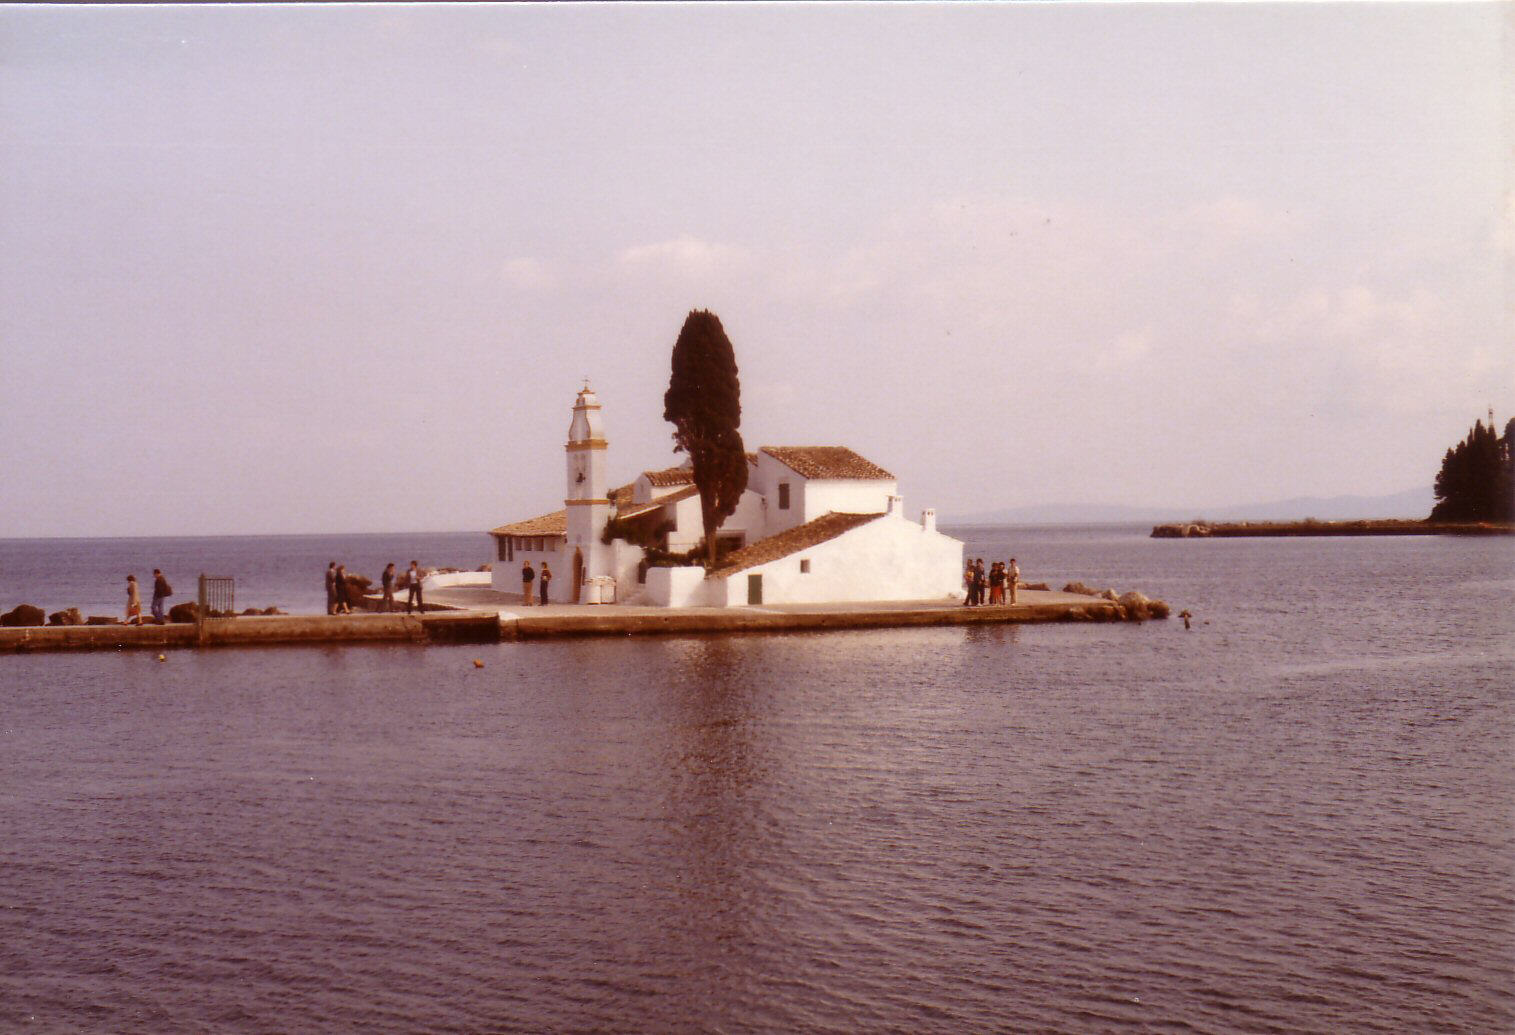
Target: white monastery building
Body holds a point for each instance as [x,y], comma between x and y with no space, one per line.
[816,524]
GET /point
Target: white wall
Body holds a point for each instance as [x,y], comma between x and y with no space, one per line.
[847,496]
[676,587]
[506,577]
[887,559]
[459,578]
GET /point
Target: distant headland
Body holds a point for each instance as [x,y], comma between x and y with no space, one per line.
[1311,527]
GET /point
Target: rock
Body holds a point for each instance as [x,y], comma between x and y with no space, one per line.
[1158,609]
[248,612]
[23,614]
[68,616]
[1042,586]
[103,620]
[274,611]
[186,612]
[1110,595]
[485,567]
[1079,587]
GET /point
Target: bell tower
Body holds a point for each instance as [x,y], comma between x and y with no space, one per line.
[587,499]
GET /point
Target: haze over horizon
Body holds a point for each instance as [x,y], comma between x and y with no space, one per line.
[339,269]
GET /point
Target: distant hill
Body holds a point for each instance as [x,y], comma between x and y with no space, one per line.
[1413,503]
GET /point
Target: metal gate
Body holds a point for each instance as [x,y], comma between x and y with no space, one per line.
[217,593]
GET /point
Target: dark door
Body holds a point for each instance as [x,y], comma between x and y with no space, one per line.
[754,589]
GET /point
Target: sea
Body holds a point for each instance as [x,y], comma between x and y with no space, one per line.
[1297,815]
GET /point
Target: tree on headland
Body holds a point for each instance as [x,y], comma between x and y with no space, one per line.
[704,404]
[1477,477]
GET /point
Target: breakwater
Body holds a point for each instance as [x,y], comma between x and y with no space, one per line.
[1235,529]
[555,623]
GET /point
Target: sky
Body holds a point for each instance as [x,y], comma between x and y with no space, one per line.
[301,269]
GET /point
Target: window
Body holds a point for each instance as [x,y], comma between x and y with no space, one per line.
[502,548]
[805,566]
[783,495]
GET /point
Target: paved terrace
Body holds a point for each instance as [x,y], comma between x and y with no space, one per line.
[479,615]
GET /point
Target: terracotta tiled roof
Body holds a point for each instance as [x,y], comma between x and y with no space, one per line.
[827,462]
[621,494]
[630,511]
[555,523]
[793,540]
[669,476]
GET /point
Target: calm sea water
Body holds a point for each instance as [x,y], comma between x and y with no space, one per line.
[1295,817]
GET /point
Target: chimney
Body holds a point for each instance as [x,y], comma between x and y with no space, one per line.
[928,519]
[896,506]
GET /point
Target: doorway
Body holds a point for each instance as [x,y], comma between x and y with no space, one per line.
[578,573]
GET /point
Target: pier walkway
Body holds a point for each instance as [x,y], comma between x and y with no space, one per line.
[480,615]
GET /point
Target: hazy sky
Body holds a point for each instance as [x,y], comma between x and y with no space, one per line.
[304,269]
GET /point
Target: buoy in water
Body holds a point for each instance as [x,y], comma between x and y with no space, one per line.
[477,663]
[162,657]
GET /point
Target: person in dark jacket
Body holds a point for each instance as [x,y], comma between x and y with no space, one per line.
[387,580]
[528,575]
[161,592]
[331,588]
[546,578]
[344,601]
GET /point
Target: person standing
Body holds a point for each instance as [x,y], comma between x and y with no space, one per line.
[1013,578]
[331,588]
[133,601]
[344,602]
[413,596]
[161,592]
[546,578]
[388,581]
[997,582]
[528,575]
[968,585]
[980,582]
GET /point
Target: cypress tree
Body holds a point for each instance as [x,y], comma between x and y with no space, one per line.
[704,404]
[1477,477]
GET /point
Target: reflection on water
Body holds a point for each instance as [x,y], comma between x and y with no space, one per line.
[1295,818]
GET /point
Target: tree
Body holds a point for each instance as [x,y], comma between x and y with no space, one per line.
[1477,477]
[704,404]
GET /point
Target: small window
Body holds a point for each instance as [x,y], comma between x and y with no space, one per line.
[805,566]
[783,495]
[501,545]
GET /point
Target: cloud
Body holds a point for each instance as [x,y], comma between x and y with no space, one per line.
[684,256]
[1234,218]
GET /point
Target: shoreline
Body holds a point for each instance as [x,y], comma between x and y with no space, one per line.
[1383,526]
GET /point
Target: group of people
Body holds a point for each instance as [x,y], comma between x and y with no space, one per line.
[528,576]
[339,593]
[161,592]
[1002,578]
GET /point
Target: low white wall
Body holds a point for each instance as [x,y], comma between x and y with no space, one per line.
[460,578]
[886,559]
[676,587]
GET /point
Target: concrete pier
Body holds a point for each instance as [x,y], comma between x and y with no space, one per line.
[480,620]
